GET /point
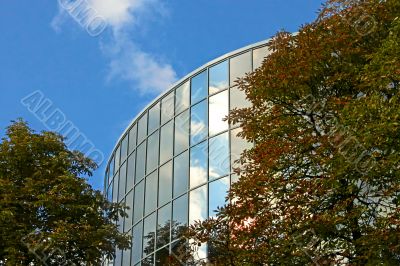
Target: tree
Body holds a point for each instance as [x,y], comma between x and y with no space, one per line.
[322,183]
[49,215]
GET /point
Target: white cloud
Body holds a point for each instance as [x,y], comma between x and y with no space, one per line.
[146,72]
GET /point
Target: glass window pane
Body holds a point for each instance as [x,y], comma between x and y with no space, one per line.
[219,77]
[117,157]
[182,100]
[137,243]
[126,257]
[199,87]
[154,117]
[122,180]
[142,128]
[140,162]
[198,164]
[219,156]
[124,148]
[238,99]
[218,110]
[162,257]
[107,176]
[149,234]
[148,261]
[165,184]
[181,174]
[179,216]
[166,143]
[181,132]
[130,175]
[110,190]
[198,122]
[163,225]
[118,257]
[167,108]
[218,192]
[115,189]
[151,193]
[112,169]
[238,145]
[138,203]
[129,203]
[240,65]
[259,55]
[198,204]
[132,138]
[152,152]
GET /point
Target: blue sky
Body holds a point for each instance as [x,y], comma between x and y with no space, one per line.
[99,83]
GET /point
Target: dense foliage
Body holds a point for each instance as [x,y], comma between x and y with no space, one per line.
[49,215]
[321,184]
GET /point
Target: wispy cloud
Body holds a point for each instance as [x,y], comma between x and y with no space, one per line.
[147,73]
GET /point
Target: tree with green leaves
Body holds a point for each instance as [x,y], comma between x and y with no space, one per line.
[49,214]
[321,186]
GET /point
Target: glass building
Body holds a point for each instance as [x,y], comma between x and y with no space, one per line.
[173,164]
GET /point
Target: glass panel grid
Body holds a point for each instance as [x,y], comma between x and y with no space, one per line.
[188,206]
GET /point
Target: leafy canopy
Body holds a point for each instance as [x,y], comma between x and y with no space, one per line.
[49,215]
[322,183]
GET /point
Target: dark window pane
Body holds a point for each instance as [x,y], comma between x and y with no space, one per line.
[180,247]
[140,162]
[198,164]
[167,107]
[137,243]
[148,261]
[142,128]
[182,100]
[259,55]
[124,148]
[198,122]
[181,174]
[240,65]
[198,204]
[138,203]
[130,176]
[181,132]
[166,143]
[151,193]
[219,77]
[179,216]
[162,257]
[129,203]
[132,138]
[219,110]
[199,87]
[154,117]
[122,180]
[219,164]
[149,234]
[163,225]
[152,152]
[218,192]
[165,184]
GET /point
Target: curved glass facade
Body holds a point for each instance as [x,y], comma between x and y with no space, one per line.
[173,164]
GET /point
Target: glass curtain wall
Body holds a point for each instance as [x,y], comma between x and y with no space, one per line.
[174,164]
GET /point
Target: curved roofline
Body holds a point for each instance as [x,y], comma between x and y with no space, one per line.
[182,80]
